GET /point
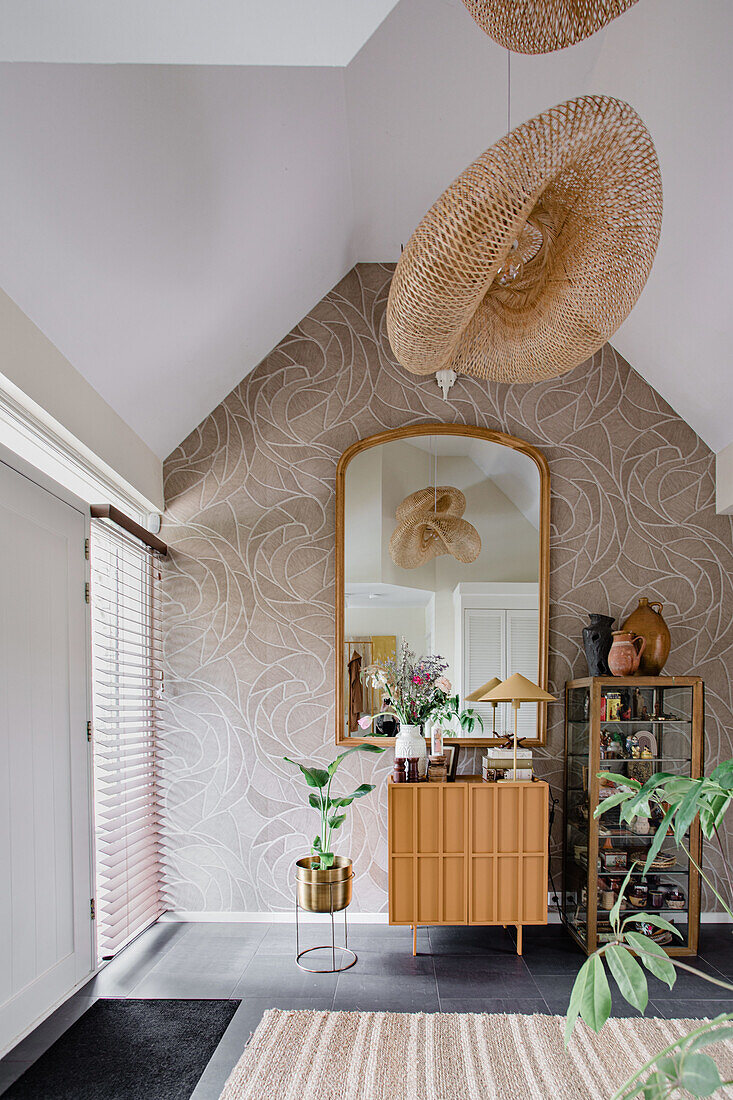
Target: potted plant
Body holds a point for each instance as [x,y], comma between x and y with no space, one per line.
[324,879]
[417,690]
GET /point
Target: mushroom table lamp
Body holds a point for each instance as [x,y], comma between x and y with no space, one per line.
[517,689]
[479,695]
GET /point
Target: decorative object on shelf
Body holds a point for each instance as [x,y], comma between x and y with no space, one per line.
[647,622]
[429,524]
[451,755]
[647,742]
[479,696]
[576,192]
[438,769]
[641,826]
[661,862]
[437,734]
[413,769]
[638,896]
[410,744]
[626,651]
[418,692]
[597,641]
[399,774]
[640,709]
[676,900]
[613,706]
[614,859]
[543,26]
[518,689]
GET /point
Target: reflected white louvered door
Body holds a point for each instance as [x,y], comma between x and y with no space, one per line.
[484,649]
[46,932]
[522,631]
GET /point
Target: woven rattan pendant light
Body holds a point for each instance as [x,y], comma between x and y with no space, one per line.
[541,26]
[578,187]
[429,524]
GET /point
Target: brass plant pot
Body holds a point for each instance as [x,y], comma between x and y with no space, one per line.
[323,891]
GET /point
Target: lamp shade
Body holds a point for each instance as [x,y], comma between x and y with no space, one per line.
[479,695]
[517,689]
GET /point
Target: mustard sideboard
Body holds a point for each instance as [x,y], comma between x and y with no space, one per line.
[468,852]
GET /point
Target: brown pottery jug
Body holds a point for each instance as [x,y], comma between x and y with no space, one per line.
[648,623]
[623,660]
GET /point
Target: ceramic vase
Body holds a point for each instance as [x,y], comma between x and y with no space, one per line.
[623,659]
[648,623]
[410,742]
[597,641]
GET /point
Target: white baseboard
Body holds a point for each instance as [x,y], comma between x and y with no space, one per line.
[276,917]
[287,917]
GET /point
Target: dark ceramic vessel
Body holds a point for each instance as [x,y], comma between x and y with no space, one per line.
[597,641]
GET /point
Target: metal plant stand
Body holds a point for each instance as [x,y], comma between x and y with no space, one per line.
[333,947]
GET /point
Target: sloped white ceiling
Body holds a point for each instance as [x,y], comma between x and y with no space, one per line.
[189,32]
[165,226]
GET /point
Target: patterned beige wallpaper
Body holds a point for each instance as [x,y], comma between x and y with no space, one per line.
[249,589]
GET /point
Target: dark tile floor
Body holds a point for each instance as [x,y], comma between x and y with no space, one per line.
[457,970]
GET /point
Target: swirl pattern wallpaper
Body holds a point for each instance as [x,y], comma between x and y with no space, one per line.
[249,583]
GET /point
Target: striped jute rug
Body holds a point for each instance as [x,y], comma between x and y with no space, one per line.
[420,1056]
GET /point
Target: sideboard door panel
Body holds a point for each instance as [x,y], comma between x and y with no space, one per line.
[468,853]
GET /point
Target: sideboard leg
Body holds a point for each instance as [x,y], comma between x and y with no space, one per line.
[414,938]
[519,939]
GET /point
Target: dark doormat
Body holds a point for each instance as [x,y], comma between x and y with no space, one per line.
[124,1049]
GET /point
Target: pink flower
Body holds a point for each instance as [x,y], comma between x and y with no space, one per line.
[416,679]
[365,721]
[444,684]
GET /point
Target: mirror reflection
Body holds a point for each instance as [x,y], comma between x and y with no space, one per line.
[441,547]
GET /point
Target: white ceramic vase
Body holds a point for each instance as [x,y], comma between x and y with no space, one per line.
[410,742]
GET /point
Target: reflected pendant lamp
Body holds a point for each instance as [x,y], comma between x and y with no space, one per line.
[429,524]
[541,26]
[531,259]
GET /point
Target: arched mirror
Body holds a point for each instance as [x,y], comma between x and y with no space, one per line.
[442,539]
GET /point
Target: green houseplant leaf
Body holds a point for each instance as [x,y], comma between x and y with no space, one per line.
[699,1074]
[629,976]
[314,777]
[590,998]
[652,956]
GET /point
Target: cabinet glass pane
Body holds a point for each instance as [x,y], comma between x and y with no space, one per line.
[640,730]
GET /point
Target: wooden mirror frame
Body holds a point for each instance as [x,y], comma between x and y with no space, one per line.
[544,565]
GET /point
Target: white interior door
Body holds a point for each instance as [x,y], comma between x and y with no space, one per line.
[484,656]
[46,937]
[522,630]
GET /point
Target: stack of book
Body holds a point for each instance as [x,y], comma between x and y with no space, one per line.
[437,769]
[502,760]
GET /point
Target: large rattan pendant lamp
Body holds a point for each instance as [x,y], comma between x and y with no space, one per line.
[574,194]
[541,26]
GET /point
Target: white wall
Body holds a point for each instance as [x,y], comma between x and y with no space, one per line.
[35,374]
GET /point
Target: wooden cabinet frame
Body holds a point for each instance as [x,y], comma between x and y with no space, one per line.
[469,853]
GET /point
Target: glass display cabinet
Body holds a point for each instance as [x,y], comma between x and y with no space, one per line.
[631,726]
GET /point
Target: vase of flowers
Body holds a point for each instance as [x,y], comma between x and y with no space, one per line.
[416,690]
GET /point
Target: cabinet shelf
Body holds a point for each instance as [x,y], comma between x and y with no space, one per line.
[682,736]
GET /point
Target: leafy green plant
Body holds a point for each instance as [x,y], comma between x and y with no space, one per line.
[682,1064]
[329,807]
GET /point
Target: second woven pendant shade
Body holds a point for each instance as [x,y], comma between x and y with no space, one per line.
[576,194]
[429,524]
[541,26]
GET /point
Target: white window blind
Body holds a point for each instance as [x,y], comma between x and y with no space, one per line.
[127,686]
